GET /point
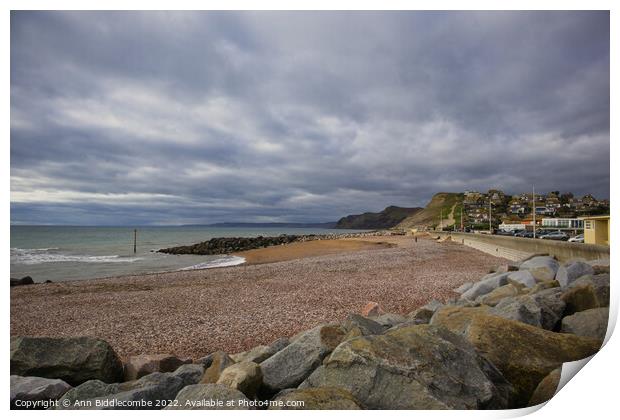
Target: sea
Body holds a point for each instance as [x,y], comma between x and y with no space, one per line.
[60,253]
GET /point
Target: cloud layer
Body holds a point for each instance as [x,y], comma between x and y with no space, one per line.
[166,118]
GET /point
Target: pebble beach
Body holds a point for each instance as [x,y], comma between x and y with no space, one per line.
[193,313]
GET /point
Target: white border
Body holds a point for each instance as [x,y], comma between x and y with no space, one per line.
[591,395]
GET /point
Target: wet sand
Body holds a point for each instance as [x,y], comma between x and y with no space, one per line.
[193,313]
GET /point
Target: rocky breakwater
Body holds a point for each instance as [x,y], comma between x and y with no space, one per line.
[218,246]
[499,344]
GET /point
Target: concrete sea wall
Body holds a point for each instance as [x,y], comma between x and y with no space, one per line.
[518,248]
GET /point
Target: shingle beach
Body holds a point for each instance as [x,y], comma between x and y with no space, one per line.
[193,313]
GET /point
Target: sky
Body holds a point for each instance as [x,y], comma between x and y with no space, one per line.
[136,118]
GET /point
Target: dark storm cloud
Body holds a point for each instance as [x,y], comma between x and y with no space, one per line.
[126,118]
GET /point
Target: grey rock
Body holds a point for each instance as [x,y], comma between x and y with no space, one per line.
[424,314]
[87,391]
[522,277]
[599,266]
[220,361]
[205,361]
[389,320]
[417,367]
[588,323]
[150,388]
[291,365]
[529,257]
[522,309]
[587,292]
[551,305]
[487,285]
[32,388]
[202,396]
[261,353]
[367,326]
[463,288]
[190,373]
[494,297]
[542,268]
[141,365]
[504,268]
[244,376]
[74,360]
[568,273]
[543,309]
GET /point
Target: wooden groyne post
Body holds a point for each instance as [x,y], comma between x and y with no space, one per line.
[135,239]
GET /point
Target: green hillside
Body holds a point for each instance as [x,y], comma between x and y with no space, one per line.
[447,204]
[385,219]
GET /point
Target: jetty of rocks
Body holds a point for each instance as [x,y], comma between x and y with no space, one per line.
[228,245]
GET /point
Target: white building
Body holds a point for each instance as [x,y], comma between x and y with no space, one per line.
[558,223]
[512,226]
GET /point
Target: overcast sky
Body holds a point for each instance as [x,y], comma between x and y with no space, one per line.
[169,118]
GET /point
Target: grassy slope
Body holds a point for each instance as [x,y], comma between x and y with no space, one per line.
[441,202]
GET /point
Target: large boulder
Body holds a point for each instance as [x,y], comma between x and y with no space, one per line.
[209,397]
[543,285]
[145,393]
[486,285]
[413,367]
[27,391]
[205,361]
[494,297]
[588,323]
[463,288]
[543,309]
[244,376]
[523,353]
[504,268]
[261,353]
[542,268]
[87,391]
[456,318]
[547,388]
[568,273]
[522,309]
[389,320]
[139,366]
[424,314]
[74,360]
[291,365]
[365,325]
[600,266]
[521,278]
[190,373]
[219,361]
[587,292]
[314,399]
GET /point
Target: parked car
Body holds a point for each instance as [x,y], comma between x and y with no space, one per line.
[556,236]
[523,234]
[505,232]
[578,239]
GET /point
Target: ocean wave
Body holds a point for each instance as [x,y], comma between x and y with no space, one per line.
[227,261]
[41,255]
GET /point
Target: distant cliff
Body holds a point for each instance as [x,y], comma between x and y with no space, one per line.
[385,219]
